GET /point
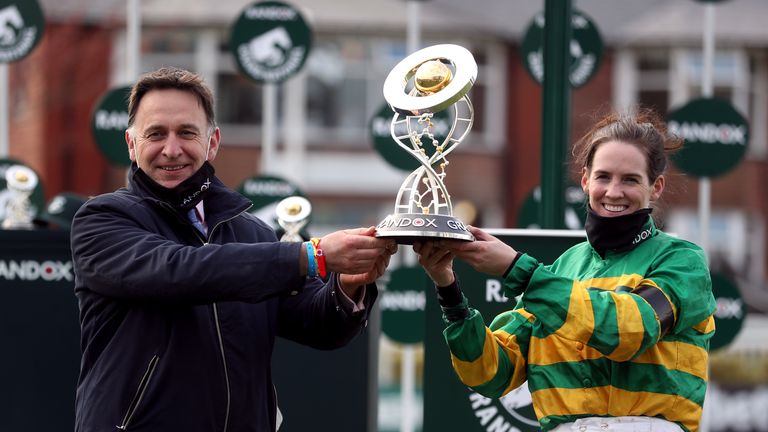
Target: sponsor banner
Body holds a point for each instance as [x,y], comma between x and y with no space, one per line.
[21,28]
[270,41]
[33,270]
[586,49]
[716,137]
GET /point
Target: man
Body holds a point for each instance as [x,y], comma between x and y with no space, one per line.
[182,292]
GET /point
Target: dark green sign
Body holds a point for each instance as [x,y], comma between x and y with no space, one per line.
[729,316]
[109,121]
[715,135]
[37,199]
[270,41]
[61,209]
[21,27]
[575,209]
[265,190]
[402,305]
[586,49]
[443,392]
[397,156]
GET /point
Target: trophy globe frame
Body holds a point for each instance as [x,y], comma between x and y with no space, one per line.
[429,81]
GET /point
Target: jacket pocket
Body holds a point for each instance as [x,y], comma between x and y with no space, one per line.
[140,390]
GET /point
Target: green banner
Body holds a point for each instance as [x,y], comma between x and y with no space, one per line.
[586,49]
[21,28]
[730,313]
[109,121]
[402,304]
[715,134]
[270,41]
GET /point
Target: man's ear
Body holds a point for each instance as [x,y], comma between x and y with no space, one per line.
[131,146]
[213,144]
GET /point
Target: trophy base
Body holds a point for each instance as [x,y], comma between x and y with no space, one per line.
[407,228]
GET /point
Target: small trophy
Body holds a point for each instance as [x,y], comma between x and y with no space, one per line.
[21,183]
[426,82]
[293,215]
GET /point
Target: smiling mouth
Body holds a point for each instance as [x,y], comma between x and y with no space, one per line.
[615,208]
[172,168]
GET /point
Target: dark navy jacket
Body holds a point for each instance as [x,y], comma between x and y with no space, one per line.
[178,330]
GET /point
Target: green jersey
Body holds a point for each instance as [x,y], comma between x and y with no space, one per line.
[626,334]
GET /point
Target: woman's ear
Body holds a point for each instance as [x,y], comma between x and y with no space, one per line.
[658,187]
[584,180]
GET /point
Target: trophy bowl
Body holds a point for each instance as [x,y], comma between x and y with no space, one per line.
[429,81]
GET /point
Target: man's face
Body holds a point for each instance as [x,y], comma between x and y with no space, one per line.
[170,138]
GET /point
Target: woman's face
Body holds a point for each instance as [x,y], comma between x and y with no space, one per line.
[618,182]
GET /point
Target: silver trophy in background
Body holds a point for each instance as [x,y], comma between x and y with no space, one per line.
[426,82]
[21,182]
[293,215]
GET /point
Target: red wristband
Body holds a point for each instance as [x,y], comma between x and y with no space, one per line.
[320,258]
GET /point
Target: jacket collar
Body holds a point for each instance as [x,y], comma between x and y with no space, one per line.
[221,203]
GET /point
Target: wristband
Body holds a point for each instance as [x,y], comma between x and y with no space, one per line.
[311,260]
[320,258]
[512,264]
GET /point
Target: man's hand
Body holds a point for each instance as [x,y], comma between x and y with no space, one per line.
[358,256]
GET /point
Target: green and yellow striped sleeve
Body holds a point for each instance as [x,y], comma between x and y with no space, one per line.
[490,360]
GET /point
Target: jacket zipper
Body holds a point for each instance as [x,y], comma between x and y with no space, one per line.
[143,384]
[224,361]
[204,241]
[218,326]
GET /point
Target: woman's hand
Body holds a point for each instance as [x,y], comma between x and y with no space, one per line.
[437,262]
[487,254]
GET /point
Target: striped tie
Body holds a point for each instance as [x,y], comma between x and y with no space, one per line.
[194,217]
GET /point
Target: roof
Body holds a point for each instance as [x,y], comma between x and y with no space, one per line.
[621,22]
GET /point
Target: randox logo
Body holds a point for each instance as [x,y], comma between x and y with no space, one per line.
[30,270]
[511,413]
[403,222]
[644,235]
[710,133]
[111,120]
[203,188]
[418,222]
[16,39]
[270,187]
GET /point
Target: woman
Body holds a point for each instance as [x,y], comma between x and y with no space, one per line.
[614,334]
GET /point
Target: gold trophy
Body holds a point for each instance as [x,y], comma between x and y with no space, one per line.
[428,81]
[293,215]
[21,183]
